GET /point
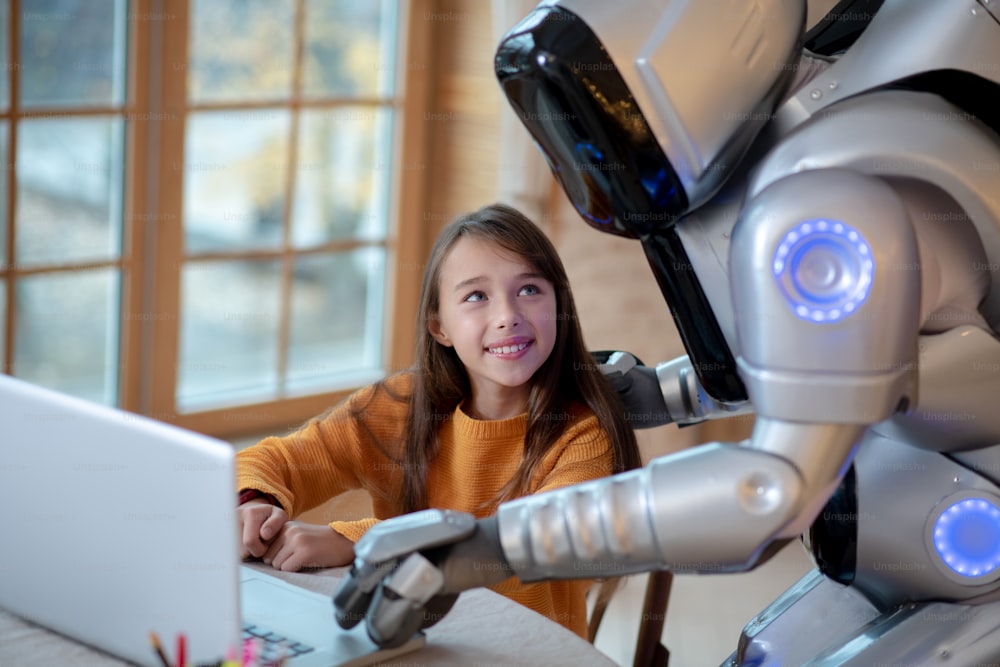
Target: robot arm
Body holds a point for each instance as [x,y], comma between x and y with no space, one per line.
[713,508]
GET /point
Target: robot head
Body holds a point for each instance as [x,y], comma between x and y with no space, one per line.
[643,107]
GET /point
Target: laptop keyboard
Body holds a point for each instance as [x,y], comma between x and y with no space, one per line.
[271,646]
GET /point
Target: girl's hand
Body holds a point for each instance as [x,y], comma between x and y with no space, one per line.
[304,545]
[259,523]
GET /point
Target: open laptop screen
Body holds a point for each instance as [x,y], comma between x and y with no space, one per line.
[116,526]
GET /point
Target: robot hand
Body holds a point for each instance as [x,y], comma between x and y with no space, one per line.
[638,388]
[670,393]
[409,570]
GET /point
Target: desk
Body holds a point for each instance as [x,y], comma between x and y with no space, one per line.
[483,628]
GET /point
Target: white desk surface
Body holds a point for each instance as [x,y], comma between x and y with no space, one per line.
[483,628]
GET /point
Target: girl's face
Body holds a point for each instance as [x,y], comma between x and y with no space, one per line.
[499,314]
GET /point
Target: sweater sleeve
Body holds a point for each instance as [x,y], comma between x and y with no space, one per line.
[353,530]
[583,453]
[336,452]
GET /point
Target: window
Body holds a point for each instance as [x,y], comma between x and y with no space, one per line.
[199,221]
[62,133]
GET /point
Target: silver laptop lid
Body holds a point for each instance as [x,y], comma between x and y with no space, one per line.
[98,540]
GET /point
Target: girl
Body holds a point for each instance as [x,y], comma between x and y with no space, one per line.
[503,401]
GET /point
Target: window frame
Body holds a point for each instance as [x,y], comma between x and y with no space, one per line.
[152,243]
[156,374]
[131,272]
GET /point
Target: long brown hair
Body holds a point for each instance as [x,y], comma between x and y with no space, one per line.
[569,376]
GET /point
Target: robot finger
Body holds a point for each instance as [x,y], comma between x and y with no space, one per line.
[397,609]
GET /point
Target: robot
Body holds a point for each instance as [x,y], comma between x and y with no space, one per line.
[821,211]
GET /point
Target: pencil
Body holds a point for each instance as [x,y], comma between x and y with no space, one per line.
[231,660]
[154,639]
[250,651]
[181,649]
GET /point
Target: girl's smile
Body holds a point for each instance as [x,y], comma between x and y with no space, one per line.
[510,348]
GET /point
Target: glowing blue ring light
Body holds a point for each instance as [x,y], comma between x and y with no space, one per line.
[964,536]
[824,270]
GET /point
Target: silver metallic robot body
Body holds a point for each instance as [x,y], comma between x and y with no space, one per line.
[842,217]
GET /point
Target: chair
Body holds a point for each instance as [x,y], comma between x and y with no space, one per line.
[649,650]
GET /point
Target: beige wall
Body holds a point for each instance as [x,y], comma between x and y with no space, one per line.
[465,110]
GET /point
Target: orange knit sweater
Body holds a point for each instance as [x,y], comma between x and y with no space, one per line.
[339,451]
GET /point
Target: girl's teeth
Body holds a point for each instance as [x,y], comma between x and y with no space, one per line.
[507,349]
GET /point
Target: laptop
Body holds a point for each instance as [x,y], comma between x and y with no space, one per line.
[117,526]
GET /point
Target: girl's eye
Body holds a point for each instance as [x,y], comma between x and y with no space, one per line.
[529,290]
[476,296]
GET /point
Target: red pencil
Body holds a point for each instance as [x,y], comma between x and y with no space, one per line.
[181,650]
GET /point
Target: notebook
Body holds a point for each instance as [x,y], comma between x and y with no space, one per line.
[117,526]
